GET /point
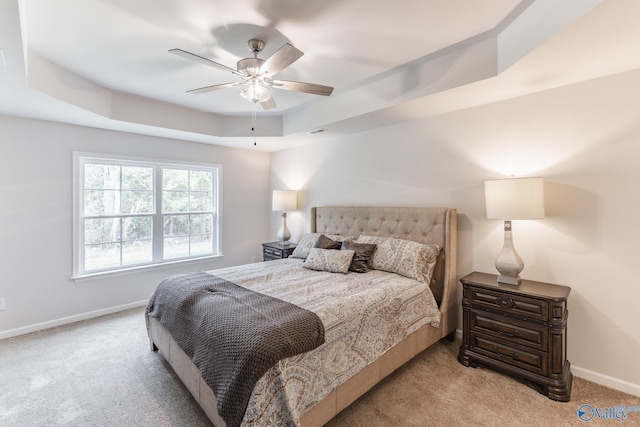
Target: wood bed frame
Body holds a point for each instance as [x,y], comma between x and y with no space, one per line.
[424,225]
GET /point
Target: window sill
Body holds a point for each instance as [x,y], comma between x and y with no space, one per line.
[142,268]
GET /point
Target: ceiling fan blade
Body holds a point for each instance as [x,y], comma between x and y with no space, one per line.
[280,60]
[268,104]
[203,60]
[303,87]
[212,88]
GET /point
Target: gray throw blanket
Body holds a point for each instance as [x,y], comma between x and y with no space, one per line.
[232,334]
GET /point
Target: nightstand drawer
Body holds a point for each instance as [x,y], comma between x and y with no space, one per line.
[271,252]
[276,250]
[529,308]
[521,333]
[504,351]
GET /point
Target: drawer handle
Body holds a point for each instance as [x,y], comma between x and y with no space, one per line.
[505,356]
[506,334]
[505,303]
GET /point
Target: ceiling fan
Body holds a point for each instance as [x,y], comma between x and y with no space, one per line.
[258,74]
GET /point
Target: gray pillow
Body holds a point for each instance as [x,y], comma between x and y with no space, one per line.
[324,242]
[362,254]
[310,239]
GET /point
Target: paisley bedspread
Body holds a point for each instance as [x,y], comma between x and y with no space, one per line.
[364,315]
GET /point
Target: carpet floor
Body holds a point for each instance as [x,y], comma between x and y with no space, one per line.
[100,372]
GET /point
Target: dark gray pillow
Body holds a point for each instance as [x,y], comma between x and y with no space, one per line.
[324,242]
[362,253]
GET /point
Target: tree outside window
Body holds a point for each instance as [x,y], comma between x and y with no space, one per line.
[125,204]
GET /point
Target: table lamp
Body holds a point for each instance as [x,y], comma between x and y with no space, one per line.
[284,200]
[513,199]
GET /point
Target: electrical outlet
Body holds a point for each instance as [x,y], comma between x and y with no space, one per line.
[1,304]
[253,259]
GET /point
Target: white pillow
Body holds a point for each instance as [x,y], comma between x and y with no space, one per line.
[328,260]
[309,240]
[406,257]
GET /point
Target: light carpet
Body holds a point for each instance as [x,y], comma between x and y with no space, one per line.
[101,372]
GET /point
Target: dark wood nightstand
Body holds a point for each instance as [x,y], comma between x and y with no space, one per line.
[276,250]
[519,330]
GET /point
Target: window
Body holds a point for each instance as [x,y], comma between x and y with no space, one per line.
[132,213]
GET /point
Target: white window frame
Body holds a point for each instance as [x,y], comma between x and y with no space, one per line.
[79,161]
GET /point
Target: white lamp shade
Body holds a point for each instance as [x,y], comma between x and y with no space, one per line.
[515,198]
[285,200]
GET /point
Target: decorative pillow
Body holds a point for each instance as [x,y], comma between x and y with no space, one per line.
[362,255]
[324,242]
[310,239]
[405,257]
[328,260]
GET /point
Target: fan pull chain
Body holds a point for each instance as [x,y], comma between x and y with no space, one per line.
[253,123]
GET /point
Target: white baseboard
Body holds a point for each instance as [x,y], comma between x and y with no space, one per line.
[606,380]
[595,377]
[70,319]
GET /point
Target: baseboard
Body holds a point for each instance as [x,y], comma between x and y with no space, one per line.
[69,319]
[606,380]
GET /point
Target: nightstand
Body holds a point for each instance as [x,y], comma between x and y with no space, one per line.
[277,250]
[518,330]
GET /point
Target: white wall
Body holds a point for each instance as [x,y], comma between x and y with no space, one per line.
[36,219]
[583,139]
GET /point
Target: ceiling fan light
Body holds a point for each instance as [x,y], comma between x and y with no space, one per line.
[255,91]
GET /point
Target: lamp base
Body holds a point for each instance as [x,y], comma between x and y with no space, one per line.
[508,280]
[509,264]
[283,234]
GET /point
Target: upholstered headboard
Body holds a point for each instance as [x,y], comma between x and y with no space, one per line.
[424,225]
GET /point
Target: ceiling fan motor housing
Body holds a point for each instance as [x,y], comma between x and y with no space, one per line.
[250,66]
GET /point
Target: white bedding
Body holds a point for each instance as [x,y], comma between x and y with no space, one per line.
[364,315]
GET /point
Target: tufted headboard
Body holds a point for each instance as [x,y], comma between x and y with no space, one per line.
[424,225]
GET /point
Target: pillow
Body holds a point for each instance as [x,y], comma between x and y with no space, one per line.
[310,239]
[405,257]
[362,255]
[328,260]
[431,258]
[324,242]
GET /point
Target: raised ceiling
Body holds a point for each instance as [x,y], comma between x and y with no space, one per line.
[105,63]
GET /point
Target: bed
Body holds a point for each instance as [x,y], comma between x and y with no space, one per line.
[311,388]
